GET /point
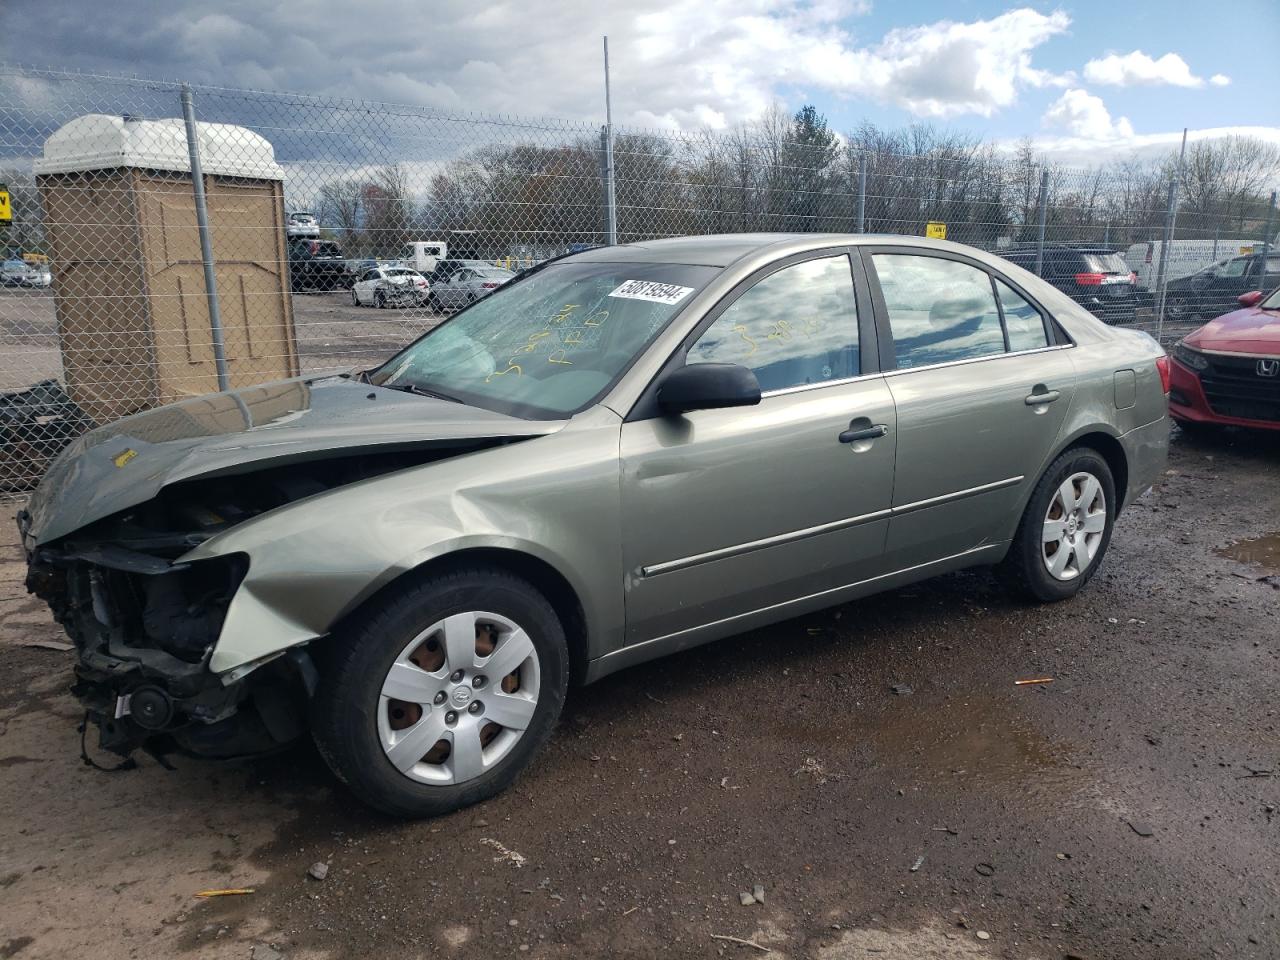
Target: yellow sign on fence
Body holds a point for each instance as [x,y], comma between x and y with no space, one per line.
[938,231]
[6,209]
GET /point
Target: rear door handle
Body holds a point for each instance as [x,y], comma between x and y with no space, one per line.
[1035,399]
[853,435]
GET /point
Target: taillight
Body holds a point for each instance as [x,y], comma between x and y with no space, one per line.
[1090,279]
[314,247]
[1162,364]
[490,286]
[1133,277]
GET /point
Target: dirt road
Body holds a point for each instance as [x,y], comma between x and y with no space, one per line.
[1128,809]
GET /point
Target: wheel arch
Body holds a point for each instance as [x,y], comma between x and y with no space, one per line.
[1111,450]
[540,574]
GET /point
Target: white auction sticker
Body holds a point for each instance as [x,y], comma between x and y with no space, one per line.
[651,291]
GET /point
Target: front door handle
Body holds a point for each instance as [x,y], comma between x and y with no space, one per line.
[854,434]
[1038,397]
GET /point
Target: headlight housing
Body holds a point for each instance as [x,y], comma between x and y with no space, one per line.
[1190,357]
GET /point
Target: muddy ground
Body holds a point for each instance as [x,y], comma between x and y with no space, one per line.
[1129,809]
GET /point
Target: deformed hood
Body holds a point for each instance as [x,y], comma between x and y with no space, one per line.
[128,462]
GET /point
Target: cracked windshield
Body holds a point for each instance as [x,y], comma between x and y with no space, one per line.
[550,344]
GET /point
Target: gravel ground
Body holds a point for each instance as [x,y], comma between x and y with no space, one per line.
[331,332]
[1126,810]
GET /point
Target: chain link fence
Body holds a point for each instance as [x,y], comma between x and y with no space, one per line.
[325,233]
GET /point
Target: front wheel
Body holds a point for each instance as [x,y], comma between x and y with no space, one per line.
[380,300]
[442,696]
[1065,529]
[355,298]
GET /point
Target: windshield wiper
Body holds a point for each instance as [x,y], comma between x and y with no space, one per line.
[420,391]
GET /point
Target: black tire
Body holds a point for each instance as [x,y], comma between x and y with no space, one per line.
[1179,309]
[1196,429]
[379,299]
[344,716]
[1023,568]
[434,303]
[355,300]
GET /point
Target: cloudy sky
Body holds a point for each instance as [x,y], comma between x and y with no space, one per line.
[1084,77]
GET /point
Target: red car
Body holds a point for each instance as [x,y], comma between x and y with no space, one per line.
[1228,371]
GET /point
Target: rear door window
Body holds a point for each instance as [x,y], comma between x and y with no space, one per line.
[939,310]
[1023,321]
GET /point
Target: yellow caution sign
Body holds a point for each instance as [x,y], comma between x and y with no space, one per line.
[937,231]
[6,208]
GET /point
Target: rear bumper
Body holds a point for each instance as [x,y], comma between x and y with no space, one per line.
[1147,452]
[1188,402]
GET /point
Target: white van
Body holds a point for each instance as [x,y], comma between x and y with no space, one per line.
[422,255]
[1185,257]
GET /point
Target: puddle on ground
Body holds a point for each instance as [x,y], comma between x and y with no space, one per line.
[1261,551]
[977,741]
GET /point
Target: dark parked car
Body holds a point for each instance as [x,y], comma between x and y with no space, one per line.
[1214,290]
[1097,278]
[318,265]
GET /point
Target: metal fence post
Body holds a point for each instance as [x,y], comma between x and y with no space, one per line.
[1266,240]
[1170,216]
[1043,204]
[206,241]
[862,193]
[610,190]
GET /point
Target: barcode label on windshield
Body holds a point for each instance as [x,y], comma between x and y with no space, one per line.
[653,292]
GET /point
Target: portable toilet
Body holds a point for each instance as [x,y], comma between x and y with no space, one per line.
[128,280]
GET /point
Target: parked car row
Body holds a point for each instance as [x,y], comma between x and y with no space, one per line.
[1095,277]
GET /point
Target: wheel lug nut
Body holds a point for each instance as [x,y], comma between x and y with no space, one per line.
[457,675]
[439,698]
[450,717]
[477,682]
[475,707]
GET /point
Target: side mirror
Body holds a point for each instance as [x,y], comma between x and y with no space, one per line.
[1250,299]
[708,386]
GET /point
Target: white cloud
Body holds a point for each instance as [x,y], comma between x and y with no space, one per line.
[675,63]
[1084,115]
[1139,69]
[1086,152]
[1220,80]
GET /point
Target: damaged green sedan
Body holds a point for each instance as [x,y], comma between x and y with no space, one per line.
[624,453]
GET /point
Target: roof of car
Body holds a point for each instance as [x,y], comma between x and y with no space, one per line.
[720,250]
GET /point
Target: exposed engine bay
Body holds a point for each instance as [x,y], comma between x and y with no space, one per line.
[145,624]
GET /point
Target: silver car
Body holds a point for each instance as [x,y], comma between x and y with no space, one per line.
[466,285]
[624,453]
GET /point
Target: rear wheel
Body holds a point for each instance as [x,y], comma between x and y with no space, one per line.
[1066,528]
[1179,308]
[442,697]
[379,299]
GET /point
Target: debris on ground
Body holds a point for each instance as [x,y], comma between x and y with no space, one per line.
[504,853]
[49,645]
[946,830]
[319,870]
[901,690]
[1140,828]
[918,864]
[228,892]
[1034,680]
[746,899]
[985,869]
[983,935]
[739,940]
[813,767]
[261,951]
[757,891]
